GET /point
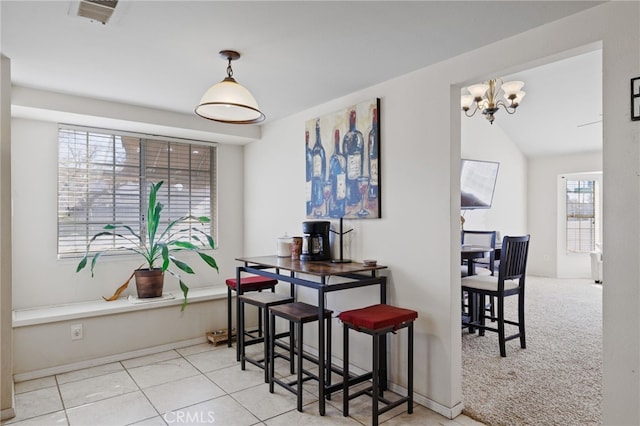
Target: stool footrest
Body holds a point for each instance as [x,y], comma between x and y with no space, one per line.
[255,340]
[290,385]
[356,380]
[366,391]
[337,387]
[391,405]
[257,362]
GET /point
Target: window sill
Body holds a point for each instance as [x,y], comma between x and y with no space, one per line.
[96,308]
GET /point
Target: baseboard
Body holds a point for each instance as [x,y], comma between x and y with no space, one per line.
[37,374]
[9,413]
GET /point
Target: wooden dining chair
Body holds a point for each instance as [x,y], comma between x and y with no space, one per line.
[510,282]
[482,238]
[485,239]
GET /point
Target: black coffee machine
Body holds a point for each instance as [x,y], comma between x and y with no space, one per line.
[315,243]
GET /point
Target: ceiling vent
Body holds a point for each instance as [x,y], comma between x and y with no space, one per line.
[97,10]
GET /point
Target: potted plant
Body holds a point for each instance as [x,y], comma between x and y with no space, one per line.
[156,248]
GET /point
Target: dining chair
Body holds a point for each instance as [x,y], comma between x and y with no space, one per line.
[485,239]
[482,238]
[510,282]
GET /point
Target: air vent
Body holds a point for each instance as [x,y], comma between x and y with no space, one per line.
[97,10]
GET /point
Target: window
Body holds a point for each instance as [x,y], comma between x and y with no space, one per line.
[104,177]
[581,218]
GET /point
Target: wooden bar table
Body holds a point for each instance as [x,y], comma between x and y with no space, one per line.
[314,275]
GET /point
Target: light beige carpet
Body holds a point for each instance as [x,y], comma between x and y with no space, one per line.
[557,379]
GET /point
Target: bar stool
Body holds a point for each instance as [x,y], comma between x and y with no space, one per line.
[263,301]
[247,284]
[298,314]
[377,321]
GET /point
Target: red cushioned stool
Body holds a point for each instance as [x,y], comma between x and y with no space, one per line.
[377,321]
[251,283]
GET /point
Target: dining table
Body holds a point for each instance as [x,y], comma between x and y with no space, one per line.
[470,252]
[316,275]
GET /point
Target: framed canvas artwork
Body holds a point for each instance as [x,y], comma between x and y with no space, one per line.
[343,163]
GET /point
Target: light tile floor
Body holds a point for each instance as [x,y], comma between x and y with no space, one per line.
[196,385]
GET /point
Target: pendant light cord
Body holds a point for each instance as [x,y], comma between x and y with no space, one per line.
[229,69]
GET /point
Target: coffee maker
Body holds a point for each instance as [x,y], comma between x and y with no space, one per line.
[315,242]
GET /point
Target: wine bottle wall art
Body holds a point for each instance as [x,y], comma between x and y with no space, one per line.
[343,177]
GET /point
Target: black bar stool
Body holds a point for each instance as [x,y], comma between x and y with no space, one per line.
[263,300]
[377,321]
[247,284]
[298,313]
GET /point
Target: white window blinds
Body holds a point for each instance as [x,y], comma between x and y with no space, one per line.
[581,215]
[104,177]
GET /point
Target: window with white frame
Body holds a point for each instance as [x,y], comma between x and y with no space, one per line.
[581,215]
[104,177]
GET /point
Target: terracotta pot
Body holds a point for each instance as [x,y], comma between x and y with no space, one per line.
[149,283]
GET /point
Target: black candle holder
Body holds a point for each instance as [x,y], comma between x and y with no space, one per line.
[341,233]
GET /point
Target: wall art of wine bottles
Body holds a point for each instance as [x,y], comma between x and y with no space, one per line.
[343,163]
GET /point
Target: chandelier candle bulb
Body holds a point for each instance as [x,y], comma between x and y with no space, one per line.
[511,88]
[478,91]
[466,101]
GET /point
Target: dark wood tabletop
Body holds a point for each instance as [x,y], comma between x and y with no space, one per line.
[468,249]
[318,268]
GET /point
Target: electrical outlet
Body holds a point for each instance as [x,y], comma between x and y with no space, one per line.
[76,332]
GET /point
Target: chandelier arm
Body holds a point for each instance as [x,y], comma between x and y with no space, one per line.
[509,108]
[473,113]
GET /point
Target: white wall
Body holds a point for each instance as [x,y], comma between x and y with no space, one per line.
[418,234]
[413,237]
[545,258]
[482,141]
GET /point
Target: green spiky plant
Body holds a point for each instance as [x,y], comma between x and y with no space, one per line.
[159,245]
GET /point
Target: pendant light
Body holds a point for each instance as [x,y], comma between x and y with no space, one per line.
[228,101]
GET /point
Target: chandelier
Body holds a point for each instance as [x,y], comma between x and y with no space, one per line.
[228,101]
[485,97]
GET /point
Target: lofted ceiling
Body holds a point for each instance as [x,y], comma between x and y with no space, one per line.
[295,54]
[562,111]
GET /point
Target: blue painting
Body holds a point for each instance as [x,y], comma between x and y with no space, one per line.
[343,163]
